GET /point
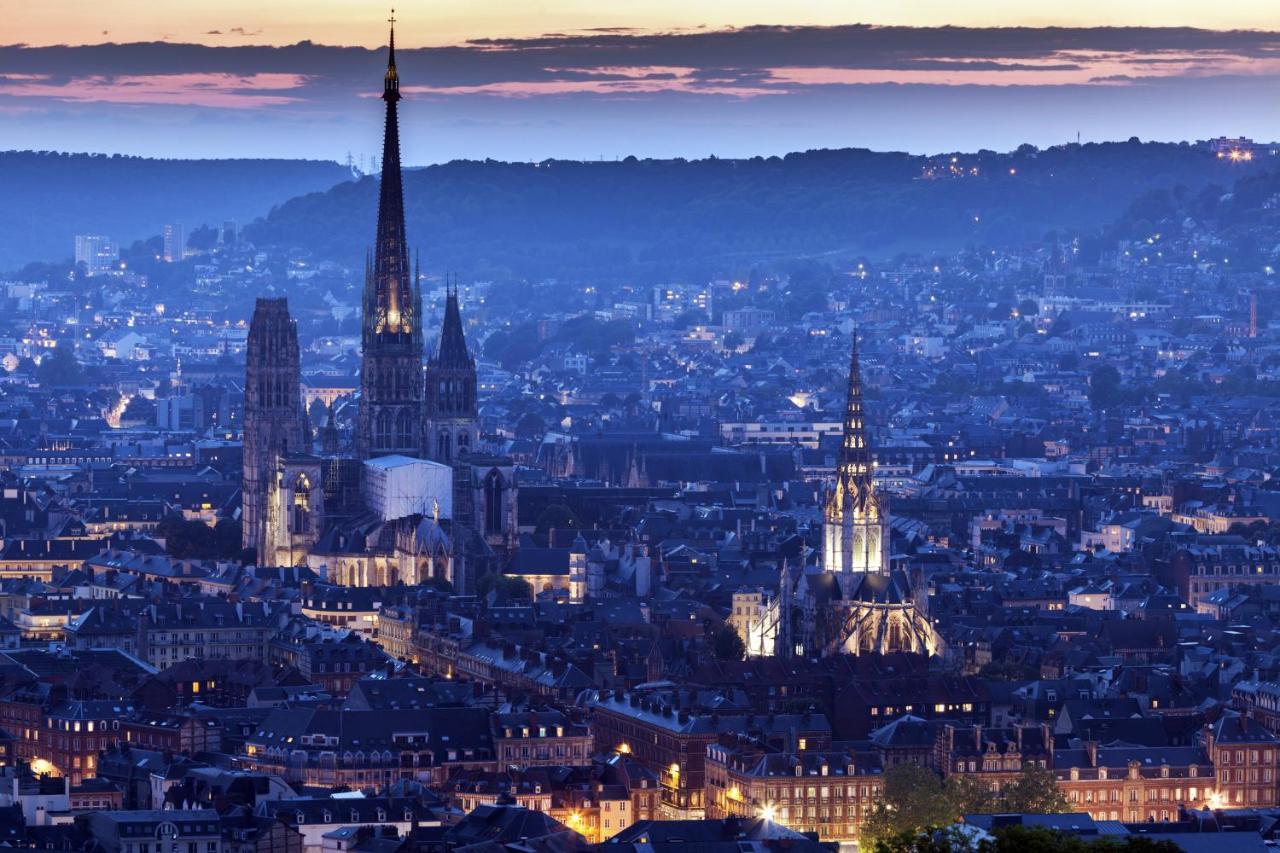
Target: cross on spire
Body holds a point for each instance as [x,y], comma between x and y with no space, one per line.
[391,82]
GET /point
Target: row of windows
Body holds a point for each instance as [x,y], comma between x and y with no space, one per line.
[1219,569]
[1225,756]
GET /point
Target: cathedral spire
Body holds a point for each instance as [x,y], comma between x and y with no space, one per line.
[394,308]
[391,385]
[452,418]
[453,341]
[391,81]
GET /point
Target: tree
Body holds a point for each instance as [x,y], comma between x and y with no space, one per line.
[192,539]
[140,410]
[1039,839]
[686,319]
[728,645]
[203,238]
[950,840]
[913,801]
[1007,670]
[1035,791]
[969,795]
[1028,308]
[1015,839]
[60,368]
[530,425]
[317,412]
[227,535]
[187,540]
[439,584]
[1104,386]
[507,587]
[555,517]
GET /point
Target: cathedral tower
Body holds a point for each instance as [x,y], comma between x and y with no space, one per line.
[391,382]
[855,529]
[274,420]
[452,429]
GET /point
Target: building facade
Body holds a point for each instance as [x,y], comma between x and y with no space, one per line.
[274,420]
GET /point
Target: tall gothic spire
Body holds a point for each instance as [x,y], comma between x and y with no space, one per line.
[393,292]
[391,380]
[855,519]
[855,466]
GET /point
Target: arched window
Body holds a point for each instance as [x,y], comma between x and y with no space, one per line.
[493,489]
[443,447]
[404,429]
[301,522]
[382,429]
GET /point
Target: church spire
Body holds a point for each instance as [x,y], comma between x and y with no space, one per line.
[855,466]
[452,424]
[391,80]
[453,341]
[394,310]
[391,385]
[855,519]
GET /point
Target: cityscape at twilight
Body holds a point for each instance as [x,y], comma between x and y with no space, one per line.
[481,427]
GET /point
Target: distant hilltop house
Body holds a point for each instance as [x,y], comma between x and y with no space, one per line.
[123,344]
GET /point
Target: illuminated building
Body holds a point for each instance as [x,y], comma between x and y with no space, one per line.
[826,792]
[857,603]
[669,737]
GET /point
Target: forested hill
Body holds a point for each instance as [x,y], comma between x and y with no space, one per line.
[47,198]
[639,218]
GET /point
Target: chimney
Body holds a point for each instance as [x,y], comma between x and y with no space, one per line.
[1091,749]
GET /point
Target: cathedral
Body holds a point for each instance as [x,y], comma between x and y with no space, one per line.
[854,601]
[305,502]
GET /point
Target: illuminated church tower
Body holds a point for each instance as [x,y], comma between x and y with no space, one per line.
[854,601]
[391,381]
[855,526]
[859,604]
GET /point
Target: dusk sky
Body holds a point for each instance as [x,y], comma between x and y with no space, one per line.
[510,80]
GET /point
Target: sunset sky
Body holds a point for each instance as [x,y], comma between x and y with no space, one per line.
[438,22]
[531,80]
